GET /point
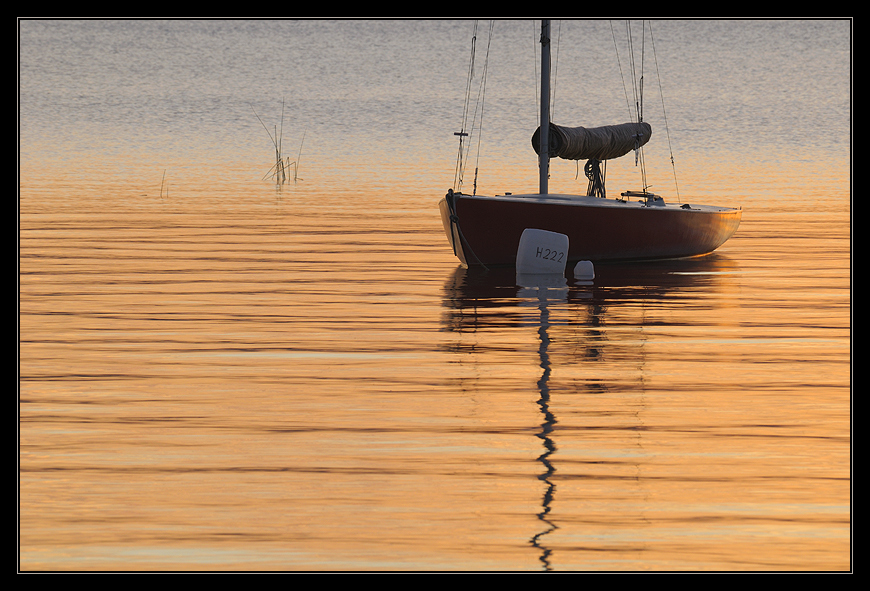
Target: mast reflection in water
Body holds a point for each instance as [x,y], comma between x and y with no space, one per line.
[549,421]
[591,334]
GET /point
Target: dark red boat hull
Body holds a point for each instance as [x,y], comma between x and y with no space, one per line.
[487,230]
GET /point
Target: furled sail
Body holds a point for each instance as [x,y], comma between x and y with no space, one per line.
[599,143]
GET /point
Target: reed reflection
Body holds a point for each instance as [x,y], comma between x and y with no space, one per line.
[489,308]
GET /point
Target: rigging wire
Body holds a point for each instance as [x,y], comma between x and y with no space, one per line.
[638,93]
[637,88]
[640,152]
[633,66]
[637,85]
[462,133]
[481,101]
[664,112]
[477,118]
[621,73]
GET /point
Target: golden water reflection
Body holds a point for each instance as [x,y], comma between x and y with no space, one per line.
[297,382]
[653,420]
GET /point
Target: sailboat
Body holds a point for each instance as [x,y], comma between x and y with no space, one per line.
[637,225]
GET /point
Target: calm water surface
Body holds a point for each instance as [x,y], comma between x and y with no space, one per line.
[216,372]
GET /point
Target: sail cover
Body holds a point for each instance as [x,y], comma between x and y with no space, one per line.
[600,143]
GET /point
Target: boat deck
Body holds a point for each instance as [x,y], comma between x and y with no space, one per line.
[632,202]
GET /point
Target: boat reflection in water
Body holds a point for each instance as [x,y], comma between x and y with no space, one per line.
[590,333]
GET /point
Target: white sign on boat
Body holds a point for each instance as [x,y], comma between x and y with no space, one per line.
[542,252]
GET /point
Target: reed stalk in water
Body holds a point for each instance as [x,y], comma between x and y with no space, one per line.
[282,165]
